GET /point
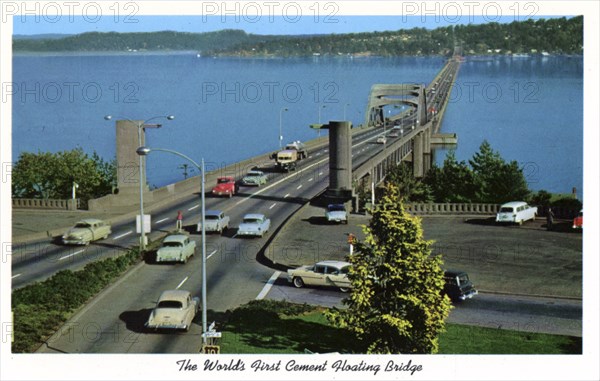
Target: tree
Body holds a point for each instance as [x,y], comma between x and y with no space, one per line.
[454,182]
[411,188]
[496,180]
[396,304]
[51,175]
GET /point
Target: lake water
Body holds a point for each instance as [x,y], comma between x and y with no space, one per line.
[228,109]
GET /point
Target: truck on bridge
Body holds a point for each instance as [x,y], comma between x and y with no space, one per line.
[287,159]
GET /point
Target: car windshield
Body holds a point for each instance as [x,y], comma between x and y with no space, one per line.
[251,220]
[172,244]
[82,225]
[169,304]
[506,210]
[336,208]
[222,181]
[463,279]
[211,217]
[253,174]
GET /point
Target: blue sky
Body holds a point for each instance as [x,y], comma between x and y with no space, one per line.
[38,24]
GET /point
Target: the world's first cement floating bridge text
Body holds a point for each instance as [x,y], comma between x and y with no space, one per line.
[296,366]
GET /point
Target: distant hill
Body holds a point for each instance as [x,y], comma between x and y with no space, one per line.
[555,36]
[47,36]
[143,41]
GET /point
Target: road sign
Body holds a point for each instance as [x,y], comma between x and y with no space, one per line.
[212,334]
[147,224]
[211,327]
[211,349]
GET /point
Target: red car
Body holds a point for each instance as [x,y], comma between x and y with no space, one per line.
[578,221]
[226,186]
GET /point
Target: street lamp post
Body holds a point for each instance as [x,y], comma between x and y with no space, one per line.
[143,151]
[319,109]
[140,126]
[280,123]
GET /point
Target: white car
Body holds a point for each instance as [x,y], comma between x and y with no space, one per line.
[86,231]
[324,273]
[254,224]
[175,309]
[516,212]
[336,213]
[216,221]
[176,248]
[381,140]
[254,177]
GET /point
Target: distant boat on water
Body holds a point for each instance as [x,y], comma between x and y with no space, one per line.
[520,55]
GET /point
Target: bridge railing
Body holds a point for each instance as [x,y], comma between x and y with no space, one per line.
[33,203]
[452,208]
[475,208]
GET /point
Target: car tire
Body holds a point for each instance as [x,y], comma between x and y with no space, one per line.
[298,282]
[344,289]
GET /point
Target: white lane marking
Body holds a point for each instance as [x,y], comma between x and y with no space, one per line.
[318,153]
[70,255]
[211,254]
[326,150]
[182,282]
[310,157]
[286,196]
[268,286]
[122,235]
[311,179]
[15,276]
[163,220]
[287,178]
[194,207]
[271,207]
[299,186]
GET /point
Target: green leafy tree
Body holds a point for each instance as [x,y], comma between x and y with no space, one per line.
[396,305]
[51,175]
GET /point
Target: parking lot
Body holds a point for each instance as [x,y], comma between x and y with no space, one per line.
[511,259]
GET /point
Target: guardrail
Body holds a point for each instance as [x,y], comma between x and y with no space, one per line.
[474,208]
[452,208]
[39,203]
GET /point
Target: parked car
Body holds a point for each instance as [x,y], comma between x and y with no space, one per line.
[254,177]
[516,212]
[381,139]
[458,287]
[578,221]
[176,248]
[324,273]
[254,224]
[226,186]
[336,213]
[215,220]
[175,309]
[86,231]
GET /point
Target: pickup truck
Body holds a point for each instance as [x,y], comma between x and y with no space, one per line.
[226,186]
[215,220]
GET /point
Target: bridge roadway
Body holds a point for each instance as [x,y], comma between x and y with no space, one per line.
[112,322]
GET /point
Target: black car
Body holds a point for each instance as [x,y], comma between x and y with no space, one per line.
[458,287]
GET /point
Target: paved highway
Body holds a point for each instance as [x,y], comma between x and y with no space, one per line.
[113,322]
